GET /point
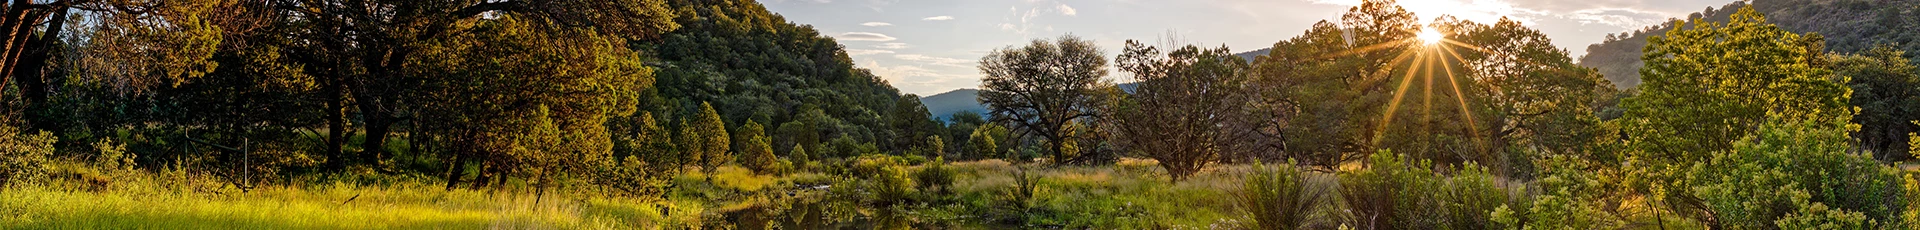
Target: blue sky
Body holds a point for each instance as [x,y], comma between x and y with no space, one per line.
[927,47]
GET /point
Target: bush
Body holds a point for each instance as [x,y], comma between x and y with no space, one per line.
[886,181]
[1796,173]
[1283,197]
[936,176]
[1400,193]
[1912,216]
[23,157]
[1569,200]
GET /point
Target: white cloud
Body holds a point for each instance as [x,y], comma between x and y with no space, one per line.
[865,36]
[1621,17]
[941,61]
[938,18]
[1068,10]
[892,45]
[876,24]
[858,52]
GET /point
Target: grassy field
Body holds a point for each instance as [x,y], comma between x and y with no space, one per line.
[1130,195]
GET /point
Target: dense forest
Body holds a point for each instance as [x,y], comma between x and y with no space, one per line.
[720,114]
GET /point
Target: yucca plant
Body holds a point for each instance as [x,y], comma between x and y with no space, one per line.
[1284,197]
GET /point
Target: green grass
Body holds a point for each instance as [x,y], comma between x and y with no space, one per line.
[1107,197]
[412,206]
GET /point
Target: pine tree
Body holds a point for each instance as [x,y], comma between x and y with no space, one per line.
[713,139]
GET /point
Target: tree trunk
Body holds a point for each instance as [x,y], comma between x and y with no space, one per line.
[336,122]
[33,83]
[454,170]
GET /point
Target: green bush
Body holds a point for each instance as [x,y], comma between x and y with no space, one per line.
[1912,216]
[1283,197]
[23,157]
[935,176]
[1569,200]
[1394,193]
[1785,169]
[1400,193]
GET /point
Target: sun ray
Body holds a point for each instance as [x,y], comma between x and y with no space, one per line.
[1398,94]
[1473,128]
[1369,48]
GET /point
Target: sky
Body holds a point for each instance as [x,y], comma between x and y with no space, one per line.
[926,47]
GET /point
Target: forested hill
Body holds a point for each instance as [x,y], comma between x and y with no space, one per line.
[752,64]
[1848,25]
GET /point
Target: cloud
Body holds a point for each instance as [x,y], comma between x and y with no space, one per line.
[865,36]
[938,18]
[858,52]
[1068,10]
[876,24]
[892,45]
[940,61]
[1621,17]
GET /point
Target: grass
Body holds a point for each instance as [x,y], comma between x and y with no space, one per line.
[140,200]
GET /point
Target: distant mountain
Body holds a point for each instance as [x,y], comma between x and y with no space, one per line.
[1848,25]
[943,105]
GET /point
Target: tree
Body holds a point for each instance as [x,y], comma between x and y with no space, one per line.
[1043,88]
[1183,100]
[711,134]
[367,50]
[525,101]
[986,141]
[1525,93]
[1886,88]
[1709,84]
[1320,93]
[756,150]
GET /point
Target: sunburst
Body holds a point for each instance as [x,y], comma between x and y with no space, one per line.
[1434,50]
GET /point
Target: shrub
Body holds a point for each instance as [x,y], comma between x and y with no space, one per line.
[1400,193]
[1569,200]
[1283,197]
[23,157]
[1912,216]
[936,176]
[1391,194]
[1784,170]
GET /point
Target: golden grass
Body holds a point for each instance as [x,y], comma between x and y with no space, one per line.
[399,207]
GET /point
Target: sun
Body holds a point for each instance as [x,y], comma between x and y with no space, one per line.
[1429,36]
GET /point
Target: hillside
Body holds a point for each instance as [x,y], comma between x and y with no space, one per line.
[753,64]
[1848,25]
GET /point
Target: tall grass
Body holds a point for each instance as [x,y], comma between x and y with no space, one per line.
[145,204]
[1284,197]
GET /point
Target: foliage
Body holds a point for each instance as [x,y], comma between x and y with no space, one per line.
[1572,197]
[1795,174]
[23,156]
[1325,87]
[885,179]
[1711,83]
[752,64]
[1397,192]
[756,150]
[1886,89]
[1282,197]
[1182,99]
[1850,26]
[988,141]
[935,176]
[705,139]
[1044,88]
